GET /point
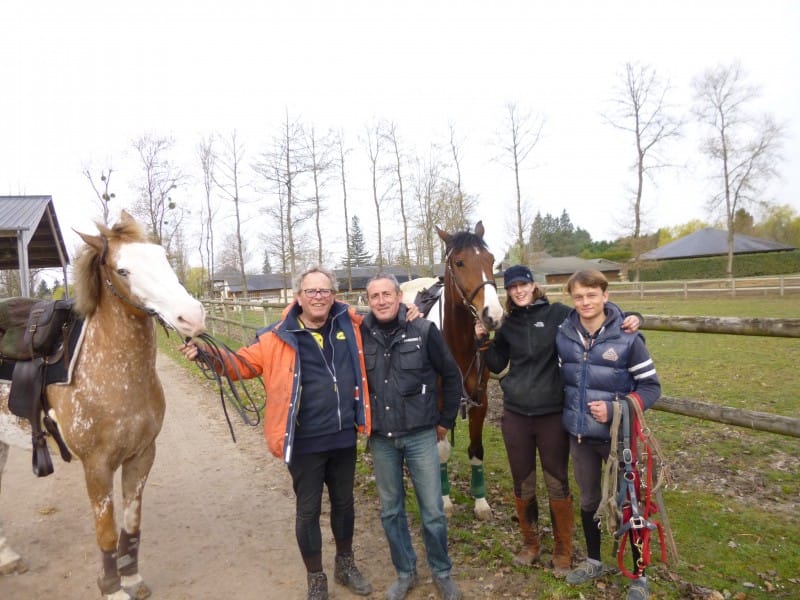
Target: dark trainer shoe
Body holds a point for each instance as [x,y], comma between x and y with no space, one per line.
[402,586]
[448,589]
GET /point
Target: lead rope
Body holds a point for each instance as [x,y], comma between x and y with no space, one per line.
[624,512]
[214,362]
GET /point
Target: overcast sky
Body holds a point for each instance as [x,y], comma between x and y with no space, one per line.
[80,80]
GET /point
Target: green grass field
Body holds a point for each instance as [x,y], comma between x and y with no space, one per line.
[735,493]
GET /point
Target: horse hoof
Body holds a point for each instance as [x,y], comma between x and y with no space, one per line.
[14,567]
[448,506]
[483,512]
[137,590]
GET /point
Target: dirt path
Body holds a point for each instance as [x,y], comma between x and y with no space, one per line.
[218,517]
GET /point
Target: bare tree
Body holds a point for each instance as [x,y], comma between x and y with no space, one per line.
[349,260]
[641,109]
[206,154]
[103,195]
[746,147]
[394,142]
[160,178]
[228,180]
[374,136]
[282,165]
[319,150]
[426,184]
[461,203]
[523,131]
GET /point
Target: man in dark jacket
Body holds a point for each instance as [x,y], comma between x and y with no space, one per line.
[404,361]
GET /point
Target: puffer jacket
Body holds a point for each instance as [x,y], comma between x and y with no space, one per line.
[616,364]
[274,356]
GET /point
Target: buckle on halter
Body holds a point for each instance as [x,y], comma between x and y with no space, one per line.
[627,456]
[638,522]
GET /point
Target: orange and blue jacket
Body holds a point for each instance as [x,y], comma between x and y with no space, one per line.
[273,356]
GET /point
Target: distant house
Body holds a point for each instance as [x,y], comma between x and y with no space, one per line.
[274,287]
[713,242]
[556,270]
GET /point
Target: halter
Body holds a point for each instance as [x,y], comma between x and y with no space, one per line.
[466,299]
[470,400]
[137,305]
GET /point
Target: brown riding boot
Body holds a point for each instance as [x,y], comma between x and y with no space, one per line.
[528,516]
[563,516]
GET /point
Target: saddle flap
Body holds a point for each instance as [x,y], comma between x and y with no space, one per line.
[428,296]
[46,326]
[26,388]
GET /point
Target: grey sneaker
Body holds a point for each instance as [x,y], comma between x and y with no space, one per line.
[346,573]
[402,586]
[317,586]
[584,572]
[448,589]
[639,590]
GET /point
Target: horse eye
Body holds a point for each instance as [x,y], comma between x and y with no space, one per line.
[123,272]
[459,263]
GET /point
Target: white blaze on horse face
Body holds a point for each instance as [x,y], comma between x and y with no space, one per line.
[492,314]
[154,283]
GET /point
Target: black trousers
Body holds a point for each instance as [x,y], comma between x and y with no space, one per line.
[335,469]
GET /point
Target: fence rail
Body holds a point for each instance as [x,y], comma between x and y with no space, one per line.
[220,318]
[736,287]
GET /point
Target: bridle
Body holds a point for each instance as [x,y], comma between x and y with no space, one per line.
[466,298]
[137,305]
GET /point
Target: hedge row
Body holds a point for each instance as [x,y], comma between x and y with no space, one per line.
[744,265]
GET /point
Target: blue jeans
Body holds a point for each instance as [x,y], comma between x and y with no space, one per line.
[418,451]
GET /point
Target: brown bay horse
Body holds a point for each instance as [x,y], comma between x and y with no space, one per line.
[469,294]
[112,409]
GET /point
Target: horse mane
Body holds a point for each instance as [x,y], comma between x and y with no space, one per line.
[465,239]
[87,277]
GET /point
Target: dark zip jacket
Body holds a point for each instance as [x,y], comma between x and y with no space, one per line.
[527,343]
[403,372]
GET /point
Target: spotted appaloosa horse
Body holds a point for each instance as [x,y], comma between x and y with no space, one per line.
[112,410]
[469,294]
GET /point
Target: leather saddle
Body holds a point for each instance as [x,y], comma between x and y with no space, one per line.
[37,340]
[427,297]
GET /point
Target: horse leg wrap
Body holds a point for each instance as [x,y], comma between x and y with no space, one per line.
[445,479]
[109,581]
[128,553]
[478,483]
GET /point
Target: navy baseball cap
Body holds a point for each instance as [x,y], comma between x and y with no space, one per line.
[517,274]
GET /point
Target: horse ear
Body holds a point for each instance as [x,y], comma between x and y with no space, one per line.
[443,235]
[479,230]
[125,217]
[95,241]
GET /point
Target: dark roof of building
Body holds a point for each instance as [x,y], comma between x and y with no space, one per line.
[712,242]
[567,265]
[31,219]
[360,276]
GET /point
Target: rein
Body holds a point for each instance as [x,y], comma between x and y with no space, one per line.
[213,362]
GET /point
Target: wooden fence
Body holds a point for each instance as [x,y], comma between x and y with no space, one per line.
[738,287]
[240,320]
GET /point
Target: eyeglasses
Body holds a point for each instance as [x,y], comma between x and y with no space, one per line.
[321,292]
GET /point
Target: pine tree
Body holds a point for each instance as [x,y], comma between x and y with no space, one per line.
[357,255]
